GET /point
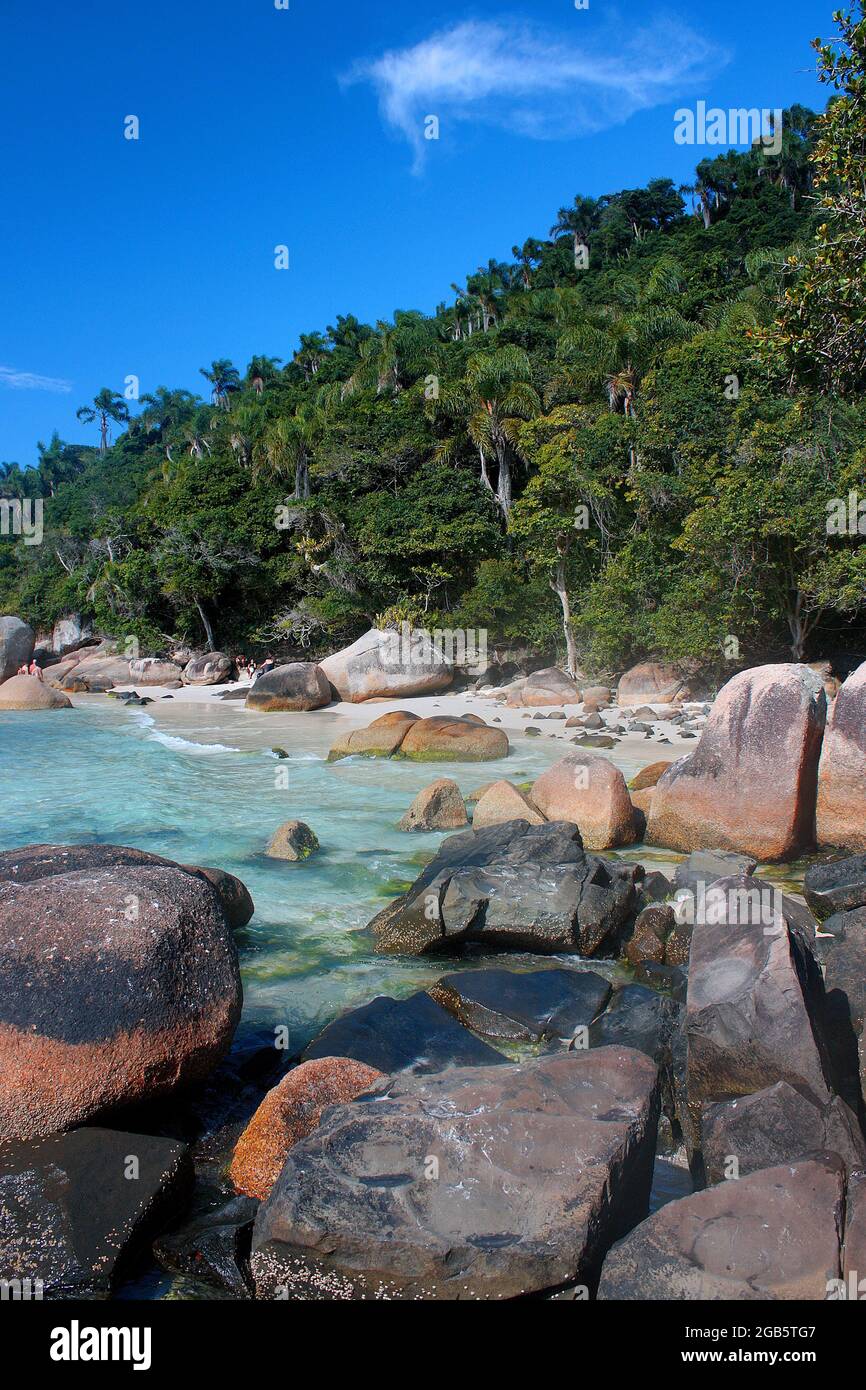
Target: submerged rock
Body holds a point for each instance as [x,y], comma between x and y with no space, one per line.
[465,1184]
[76,1205]
[212,1243]
[772,1235]
[523,1006]
[395,1034]
[292,841]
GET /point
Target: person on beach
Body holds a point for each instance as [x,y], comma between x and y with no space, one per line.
[267,665]
[34,670]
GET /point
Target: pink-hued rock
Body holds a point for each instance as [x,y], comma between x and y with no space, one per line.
[771,1235]
[750,784]
[388,665]
[841,813]
[502,802]
[29,692]
[650,683]
[290,1112]
[590,792]
[548,687]
[438,807]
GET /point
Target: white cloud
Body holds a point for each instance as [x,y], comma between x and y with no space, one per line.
[32,381]
[526,79]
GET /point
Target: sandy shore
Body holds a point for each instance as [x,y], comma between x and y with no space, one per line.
[631,751]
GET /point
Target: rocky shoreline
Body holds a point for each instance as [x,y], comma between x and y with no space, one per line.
[495,1135]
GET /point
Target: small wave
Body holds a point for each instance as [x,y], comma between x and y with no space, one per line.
[175,742]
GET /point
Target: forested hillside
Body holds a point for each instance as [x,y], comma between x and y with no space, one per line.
[609,454]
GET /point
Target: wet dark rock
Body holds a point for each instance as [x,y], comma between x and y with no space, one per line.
[212,1243]
[512,886]
[77,1207]
[394,1034]
[523,1005]
[463,1185]
[838,886]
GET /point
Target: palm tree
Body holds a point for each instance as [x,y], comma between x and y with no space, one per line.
[526,257]
[311,354]
[261,372]
[166,409]
[107,406]
[224,378]
[578,222]
[495,395]
[394,356]
[289,446]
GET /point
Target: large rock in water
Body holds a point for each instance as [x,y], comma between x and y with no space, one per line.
[750,784]
[381,739]
[501,802]
[30,693]
[32,862]
[446,739]
[590,791]
[395,1034]
[513,886]
[387,665]
[650,683]
[482,1183]
[302,685]
[73,1206]
[753,1010]
[777,1125]
[524,1005]
[117,985]
[548,687]
[17,640]
[841,811]
[771,1235]
[438,807]
[214,668]
[291,1111]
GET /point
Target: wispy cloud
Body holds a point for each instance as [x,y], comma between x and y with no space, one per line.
[32,381]
[523,78]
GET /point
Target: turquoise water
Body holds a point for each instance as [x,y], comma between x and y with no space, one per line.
[199,784]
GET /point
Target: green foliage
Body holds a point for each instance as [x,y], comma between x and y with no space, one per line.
[593,460]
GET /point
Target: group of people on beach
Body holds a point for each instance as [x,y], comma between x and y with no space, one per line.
[30,670]
[247,670]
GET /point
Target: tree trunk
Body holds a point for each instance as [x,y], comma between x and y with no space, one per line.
[557,584]
[211,644]
[302,479]
[503,484]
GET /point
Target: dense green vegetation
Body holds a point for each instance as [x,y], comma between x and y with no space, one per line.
[630,459]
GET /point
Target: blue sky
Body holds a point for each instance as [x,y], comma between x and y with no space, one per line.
[303,126]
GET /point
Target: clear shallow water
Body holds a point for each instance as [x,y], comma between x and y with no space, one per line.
[199,784]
